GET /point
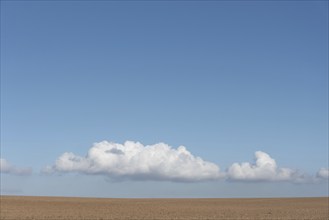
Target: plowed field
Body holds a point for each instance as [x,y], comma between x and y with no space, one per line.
[57,208]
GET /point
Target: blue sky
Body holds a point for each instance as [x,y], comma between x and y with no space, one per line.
[224,79]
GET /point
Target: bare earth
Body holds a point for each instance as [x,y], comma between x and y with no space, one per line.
[19,207]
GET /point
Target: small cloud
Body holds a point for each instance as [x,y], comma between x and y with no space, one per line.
[323,173]
[6,167]
[133,160]
[264,169]
[10,191]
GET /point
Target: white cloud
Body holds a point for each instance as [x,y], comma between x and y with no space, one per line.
[264,169]
[135,161]
[323,173]
[6,167]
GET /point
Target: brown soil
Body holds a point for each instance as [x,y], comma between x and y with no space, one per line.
[57,208]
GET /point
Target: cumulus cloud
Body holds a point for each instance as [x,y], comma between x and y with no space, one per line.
[264,169]
[6,167]
[133,160]
[323,173]
[161,162]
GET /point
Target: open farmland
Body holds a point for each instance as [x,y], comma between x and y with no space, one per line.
[18,207]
